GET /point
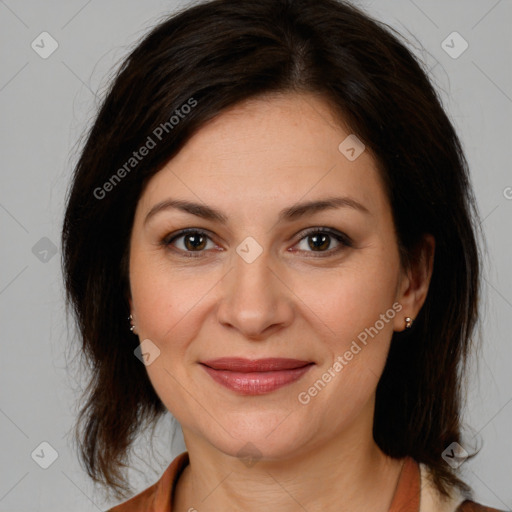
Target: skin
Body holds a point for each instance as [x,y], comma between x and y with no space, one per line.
[251,162]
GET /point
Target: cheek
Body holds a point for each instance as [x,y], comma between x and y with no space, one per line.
[163,299]
[353,319]
[345,303]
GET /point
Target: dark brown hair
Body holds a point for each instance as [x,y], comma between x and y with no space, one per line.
[212,56]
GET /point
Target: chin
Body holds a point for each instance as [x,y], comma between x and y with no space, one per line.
[260,436]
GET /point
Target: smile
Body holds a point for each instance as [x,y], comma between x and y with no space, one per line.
[258,377]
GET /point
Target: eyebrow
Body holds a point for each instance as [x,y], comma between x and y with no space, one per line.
[287,214]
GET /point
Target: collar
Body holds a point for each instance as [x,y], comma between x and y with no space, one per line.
[415,491]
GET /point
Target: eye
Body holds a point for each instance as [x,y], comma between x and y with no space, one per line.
[191,240]
[320,239]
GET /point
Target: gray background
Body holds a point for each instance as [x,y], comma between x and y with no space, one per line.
[45,106]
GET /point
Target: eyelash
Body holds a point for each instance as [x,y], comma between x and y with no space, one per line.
[343,239]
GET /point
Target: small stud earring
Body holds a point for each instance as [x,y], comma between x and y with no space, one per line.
[408,322]
[132,328]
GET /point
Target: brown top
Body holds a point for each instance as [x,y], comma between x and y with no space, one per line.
[411,494]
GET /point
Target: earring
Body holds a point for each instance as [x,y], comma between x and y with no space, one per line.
[408,322]
[132,327]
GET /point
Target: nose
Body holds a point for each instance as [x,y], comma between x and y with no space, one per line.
[255,299]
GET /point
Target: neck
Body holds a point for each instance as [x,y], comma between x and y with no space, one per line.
[359,477]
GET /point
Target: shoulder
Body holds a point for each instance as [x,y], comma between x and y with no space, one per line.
[158,497]
[432,500]
[142,501]
[471,506]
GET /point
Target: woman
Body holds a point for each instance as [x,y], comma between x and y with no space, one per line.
[271,234]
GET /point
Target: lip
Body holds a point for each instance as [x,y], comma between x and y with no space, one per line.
[255,377]
[240,364]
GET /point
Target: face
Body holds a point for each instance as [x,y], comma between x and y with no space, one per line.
[267,277]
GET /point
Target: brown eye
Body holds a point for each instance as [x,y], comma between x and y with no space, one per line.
[188,241]
[194,242]
[321,240]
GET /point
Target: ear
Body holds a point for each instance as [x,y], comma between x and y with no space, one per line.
[414,284]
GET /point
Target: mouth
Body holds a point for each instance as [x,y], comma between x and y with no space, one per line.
[255,377]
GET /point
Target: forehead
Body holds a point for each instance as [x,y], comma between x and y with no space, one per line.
[282,148]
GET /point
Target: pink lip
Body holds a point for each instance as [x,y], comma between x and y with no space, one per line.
[255,377]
